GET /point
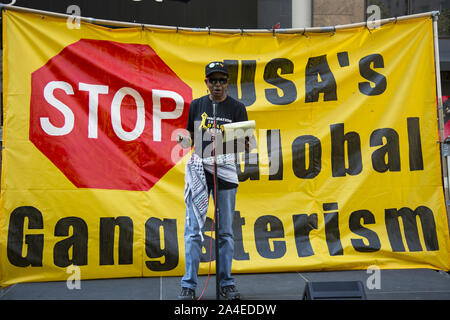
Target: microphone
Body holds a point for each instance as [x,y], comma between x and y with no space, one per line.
[214,104]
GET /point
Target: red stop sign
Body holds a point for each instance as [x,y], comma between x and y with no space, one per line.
[103,112]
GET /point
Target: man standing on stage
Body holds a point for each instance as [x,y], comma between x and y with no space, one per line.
[203,127]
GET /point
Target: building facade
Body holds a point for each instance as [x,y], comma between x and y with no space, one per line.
[256,14]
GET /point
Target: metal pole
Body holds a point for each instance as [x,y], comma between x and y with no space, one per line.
[213,30]
[216,213]
[444,162]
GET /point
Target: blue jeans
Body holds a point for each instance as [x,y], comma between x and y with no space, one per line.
[226,200]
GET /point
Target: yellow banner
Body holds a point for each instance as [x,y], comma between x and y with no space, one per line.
[346,173]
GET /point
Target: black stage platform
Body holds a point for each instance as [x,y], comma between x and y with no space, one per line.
[410,284]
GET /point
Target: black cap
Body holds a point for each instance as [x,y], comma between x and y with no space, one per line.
[216,66]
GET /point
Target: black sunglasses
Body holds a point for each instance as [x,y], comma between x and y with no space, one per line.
[215,80]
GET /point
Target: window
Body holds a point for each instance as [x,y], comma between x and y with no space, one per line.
[443,6]
[394,8]
[390,8]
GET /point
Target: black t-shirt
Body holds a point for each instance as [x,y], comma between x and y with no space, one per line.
[201,121]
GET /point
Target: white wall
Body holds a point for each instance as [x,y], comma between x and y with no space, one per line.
[301,13]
